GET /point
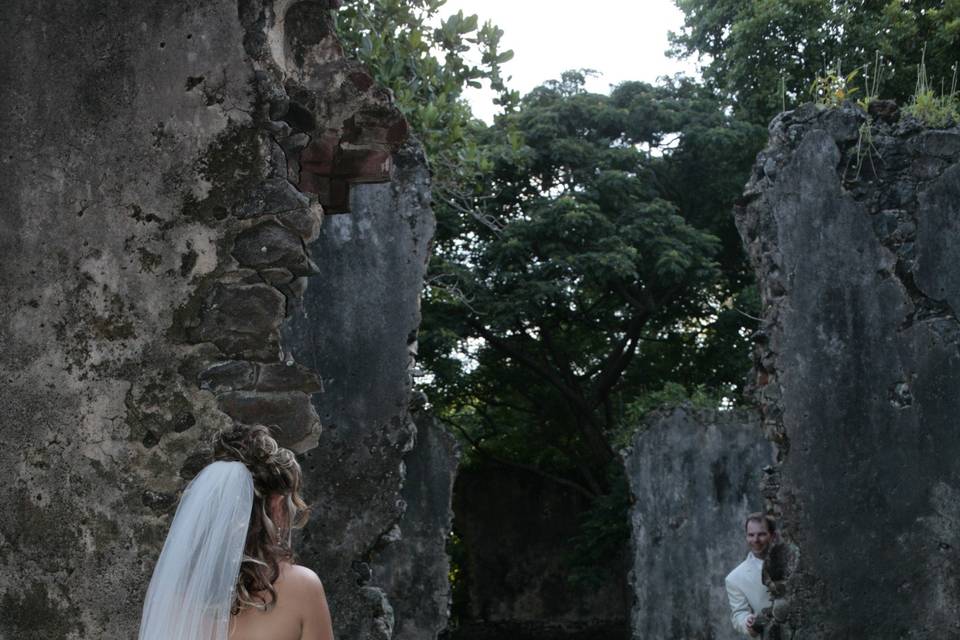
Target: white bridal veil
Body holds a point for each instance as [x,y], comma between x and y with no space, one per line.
[192,588]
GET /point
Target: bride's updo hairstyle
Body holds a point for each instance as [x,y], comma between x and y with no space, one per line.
[275,471]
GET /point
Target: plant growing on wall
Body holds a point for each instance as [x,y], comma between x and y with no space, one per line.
[932,108]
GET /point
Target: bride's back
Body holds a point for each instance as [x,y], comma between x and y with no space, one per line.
[300,612]
[230,546]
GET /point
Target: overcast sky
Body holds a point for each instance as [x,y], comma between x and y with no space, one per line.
[622,39]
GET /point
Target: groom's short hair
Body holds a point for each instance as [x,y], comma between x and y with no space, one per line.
[759,516]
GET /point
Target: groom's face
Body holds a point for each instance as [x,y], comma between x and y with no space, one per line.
[758,538]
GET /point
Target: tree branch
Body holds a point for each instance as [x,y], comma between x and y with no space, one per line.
[560,360]
[524,359]
[618,359]
[519,465]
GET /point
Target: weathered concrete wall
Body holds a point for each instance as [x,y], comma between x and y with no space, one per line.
[165,166]
[357,326]
[694,476]
[414,570]
[516,529]
[858,365]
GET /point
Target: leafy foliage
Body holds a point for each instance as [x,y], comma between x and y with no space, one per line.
[598,277]
[569,241]
[834,88]
[750,47]
[428,63]
[603,537]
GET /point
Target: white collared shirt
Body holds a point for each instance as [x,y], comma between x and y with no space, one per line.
[746,592]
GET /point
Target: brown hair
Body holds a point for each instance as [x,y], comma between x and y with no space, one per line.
[275,471]
[759,516]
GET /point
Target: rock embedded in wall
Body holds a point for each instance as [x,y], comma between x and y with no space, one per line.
[852,229]
[694,476]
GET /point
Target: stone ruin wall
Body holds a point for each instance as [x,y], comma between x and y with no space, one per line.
[854,233]
[694,476]
[356,325]
[179,185]
[414,570]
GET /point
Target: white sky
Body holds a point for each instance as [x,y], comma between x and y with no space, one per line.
[622,39]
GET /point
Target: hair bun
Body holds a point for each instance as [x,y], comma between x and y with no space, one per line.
[262,446]
[252,445]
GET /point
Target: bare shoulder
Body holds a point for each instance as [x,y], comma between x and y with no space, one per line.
[302,580]
[300,573]
[307,595]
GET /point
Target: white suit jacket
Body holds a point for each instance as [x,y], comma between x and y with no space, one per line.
[746,592]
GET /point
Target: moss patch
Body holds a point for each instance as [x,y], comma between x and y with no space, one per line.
[233,164]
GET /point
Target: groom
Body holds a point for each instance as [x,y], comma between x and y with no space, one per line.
[745,589]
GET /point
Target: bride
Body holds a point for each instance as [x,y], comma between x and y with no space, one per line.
[226,570]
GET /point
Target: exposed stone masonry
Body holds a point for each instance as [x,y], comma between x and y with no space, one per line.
[414,569]
[338,128]
[367,295]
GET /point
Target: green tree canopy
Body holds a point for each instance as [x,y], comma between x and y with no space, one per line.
[595,276]
[750,48]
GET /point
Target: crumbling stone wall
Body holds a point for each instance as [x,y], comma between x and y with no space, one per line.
[694,476]
[853,232]
[165,171]
[414,569]
[357,327]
